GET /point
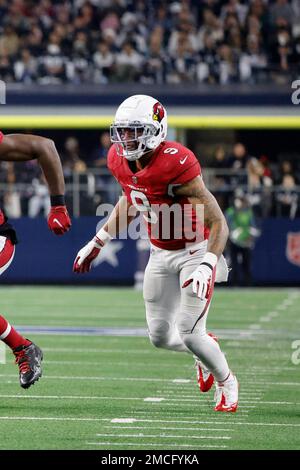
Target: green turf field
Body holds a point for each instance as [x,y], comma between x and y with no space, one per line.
[119,392]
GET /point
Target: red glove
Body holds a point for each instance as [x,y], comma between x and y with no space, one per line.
[2,218]
[59,221]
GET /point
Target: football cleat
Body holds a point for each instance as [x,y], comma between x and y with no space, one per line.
[226,395]
[205,378]
[29,360]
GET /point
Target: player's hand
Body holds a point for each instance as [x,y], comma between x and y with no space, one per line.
[202,278]
[202,281]
[87,255]
[59,221]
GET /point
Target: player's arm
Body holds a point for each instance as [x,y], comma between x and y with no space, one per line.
[24,147]
[121,216]
[197,193]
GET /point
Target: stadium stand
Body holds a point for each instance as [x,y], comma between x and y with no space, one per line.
[117,41]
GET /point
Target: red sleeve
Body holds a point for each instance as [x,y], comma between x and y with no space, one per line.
[187,168]
[1,137]
[111,159]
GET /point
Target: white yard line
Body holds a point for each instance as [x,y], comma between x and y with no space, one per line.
[97,350]
[69,397]
[113,363]
[148,379]
[135,444]
[196,395]
[165,436]
[171,429]
[123,379]
[232,422]
[273,402]
[138,420]
[149,399]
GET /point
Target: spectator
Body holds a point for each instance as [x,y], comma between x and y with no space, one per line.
[221,180]
[103,61]
[239,157]
[259,187]
[253,62]
[184,65]
[284,57]
[212,27]
[40,200]
[220,160]
[128,64]
[281,10]
[72,159]
[99,154]
[287,198]
[25,68]
[11,199]
[156,61]
[105,181]
[242,234]
[9,41]
[207,67]
[227,66]
[238,164]
[6,68]
[52,67]
[34,42]
[235,7]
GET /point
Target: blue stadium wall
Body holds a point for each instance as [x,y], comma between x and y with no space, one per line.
[41,257]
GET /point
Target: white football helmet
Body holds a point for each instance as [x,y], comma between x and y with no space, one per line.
[139,127]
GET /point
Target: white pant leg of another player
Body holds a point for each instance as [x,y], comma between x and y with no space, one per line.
[191,321]
[162,300]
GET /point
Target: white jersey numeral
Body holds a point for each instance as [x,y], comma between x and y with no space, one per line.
[171,150]
[143,205]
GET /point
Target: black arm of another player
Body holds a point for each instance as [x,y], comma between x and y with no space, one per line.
[23,147]
[197,193]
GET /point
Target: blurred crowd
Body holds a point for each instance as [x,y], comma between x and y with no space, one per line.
[269,187]
[113,41]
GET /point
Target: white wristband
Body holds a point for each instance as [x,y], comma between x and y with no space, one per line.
[103,236]
[210,258]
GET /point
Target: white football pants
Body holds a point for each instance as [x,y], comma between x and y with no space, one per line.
[176,318]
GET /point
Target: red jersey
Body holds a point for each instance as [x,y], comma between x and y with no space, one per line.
[150,190]
[1,137]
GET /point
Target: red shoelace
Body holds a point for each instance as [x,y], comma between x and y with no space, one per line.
[22,361]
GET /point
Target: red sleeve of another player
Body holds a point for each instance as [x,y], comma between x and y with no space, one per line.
[188,168]
[1,137]
[110,158]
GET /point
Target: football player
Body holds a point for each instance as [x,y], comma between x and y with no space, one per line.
[20,148]
[179,279]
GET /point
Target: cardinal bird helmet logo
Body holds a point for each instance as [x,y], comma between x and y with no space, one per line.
[158,111]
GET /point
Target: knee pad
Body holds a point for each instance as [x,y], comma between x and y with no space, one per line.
[158,332]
